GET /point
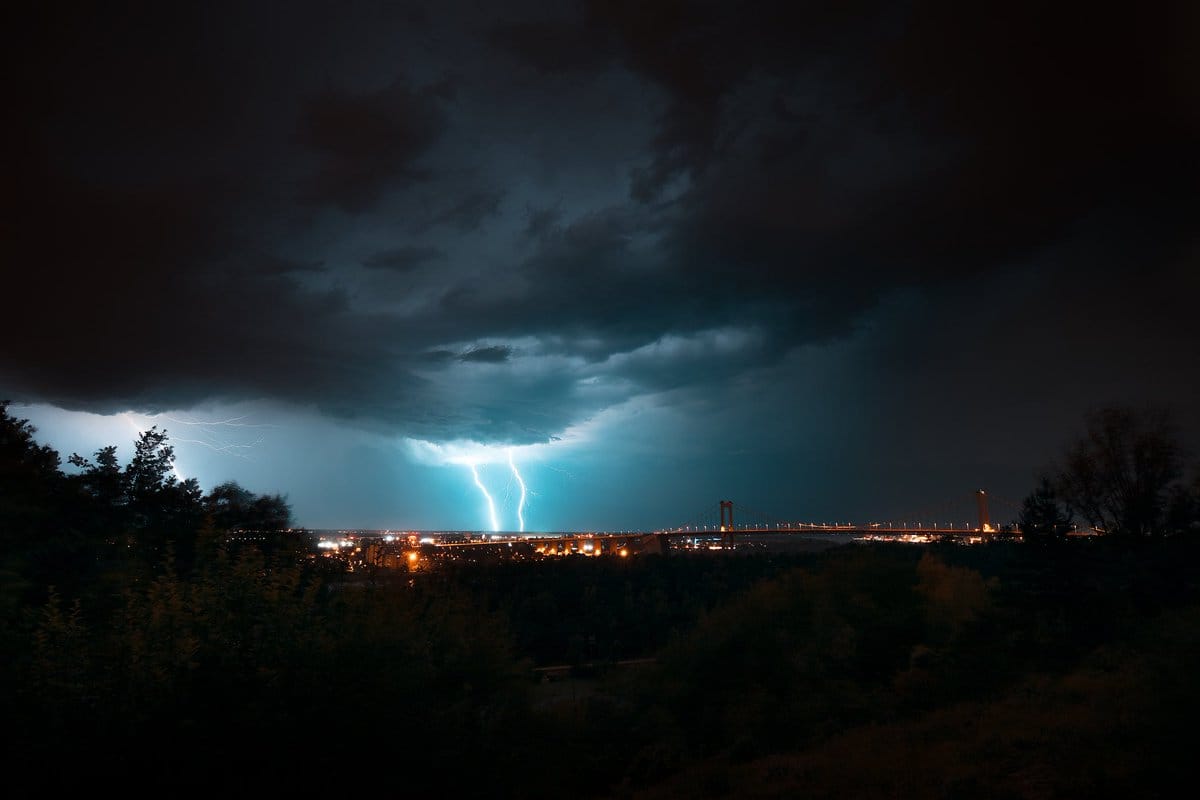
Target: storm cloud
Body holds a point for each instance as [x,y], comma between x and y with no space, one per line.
[448,222]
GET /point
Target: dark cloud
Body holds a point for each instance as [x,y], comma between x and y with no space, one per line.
[404,258]
[269,264]
[465,213]
[554,47]
[699,53]
[542,222]
[438,356]
[496,354]
[369,142]
[583,281]
[191,199]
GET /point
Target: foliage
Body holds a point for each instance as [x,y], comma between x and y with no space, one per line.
[1120,474]
[230,506]
[73,530]
[1044,517]
[954,596]
[28,480]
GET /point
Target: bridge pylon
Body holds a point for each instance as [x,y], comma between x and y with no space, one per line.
[726,527]
[985,520]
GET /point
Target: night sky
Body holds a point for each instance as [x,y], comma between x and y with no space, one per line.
[833,261]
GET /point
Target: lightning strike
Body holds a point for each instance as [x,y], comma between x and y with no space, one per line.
[490,503]
[208,429]
[474,454]
[521,482]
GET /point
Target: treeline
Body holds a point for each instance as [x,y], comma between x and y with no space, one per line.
[68,529]
[144,646]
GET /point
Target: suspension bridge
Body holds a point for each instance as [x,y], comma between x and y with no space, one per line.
[973,519]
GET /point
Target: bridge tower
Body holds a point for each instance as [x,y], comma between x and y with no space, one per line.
[726,527]
[985,521]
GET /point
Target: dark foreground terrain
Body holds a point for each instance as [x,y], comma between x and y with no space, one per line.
[865,671]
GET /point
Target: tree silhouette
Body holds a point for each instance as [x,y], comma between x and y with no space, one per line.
[1120,474]
[232,506]
[144,506]
[1183,508]
[32,545]
[152,468]
[29,479]
[1043,515]
[104,479]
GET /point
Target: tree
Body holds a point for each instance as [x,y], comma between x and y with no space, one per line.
[1044,516]
[1120,475]
[152,468]
[270,512]
[30,489]
[29,481]
[1183,510]
[102,480]
[232,506]
[163,512]
[227,505]
[19,453]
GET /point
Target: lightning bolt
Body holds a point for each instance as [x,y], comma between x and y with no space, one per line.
[490,503]
[212,439]
[521,483]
